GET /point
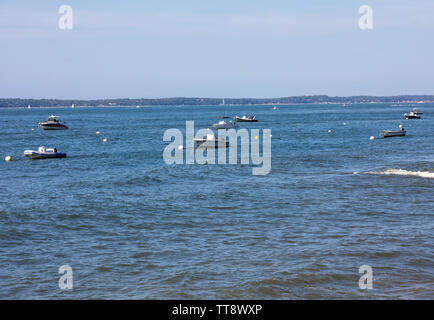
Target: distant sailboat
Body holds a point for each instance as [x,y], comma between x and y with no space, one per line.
[73,106]
[29,107]
[226,111]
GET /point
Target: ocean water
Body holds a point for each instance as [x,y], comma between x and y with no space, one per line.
[132,227]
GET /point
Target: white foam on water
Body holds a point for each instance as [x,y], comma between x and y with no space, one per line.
[401,172]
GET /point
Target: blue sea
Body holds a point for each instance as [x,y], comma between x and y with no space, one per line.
[132,227]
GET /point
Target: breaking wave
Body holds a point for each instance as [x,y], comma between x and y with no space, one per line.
[401,172]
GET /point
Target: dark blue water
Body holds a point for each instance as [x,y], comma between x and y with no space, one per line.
[131,226]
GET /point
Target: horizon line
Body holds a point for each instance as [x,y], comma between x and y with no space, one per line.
[221,98]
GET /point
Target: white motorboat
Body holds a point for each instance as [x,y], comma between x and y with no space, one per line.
[411,115]
[53,123]
[224,125]
[43,153]
[211,141]
[245,119]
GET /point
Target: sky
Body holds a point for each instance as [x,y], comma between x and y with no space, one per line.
[219,48]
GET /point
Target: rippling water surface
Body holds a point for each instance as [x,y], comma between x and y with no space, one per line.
[131,226]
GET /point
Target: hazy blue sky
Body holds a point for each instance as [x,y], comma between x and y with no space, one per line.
[220,48]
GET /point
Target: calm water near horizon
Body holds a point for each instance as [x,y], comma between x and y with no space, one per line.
[132,227]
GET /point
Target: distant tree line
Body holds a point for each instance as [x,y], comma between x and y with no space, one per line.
[11,103]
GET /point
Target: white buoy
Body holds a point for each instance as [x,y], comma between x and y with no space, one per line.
[180,147]
[371,138]
[8,158]
[344,123]
[329,131]
[97,132]
[104,140]
[33,129]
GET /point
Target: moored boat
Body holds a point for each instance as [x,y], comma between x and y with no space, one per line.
[390,133]
[245,119]
[43,153]
[411,115]
[53,123]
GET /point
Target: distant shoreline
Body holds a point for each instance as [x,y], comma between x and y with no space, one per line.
[318,99]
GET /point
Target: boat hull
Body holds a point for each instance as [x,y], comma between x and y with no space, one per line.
[411,116]
[44,155]
[49,126]
[237,119]
[390,134]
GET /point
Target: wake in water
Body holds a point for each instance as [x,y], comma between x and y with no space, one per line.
[401,172]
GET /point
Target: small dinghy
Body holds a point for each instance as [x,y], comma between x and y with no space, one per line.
[53,123]
[245,119]
[224,125]
[389,133]
[43,153]
[211,141]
